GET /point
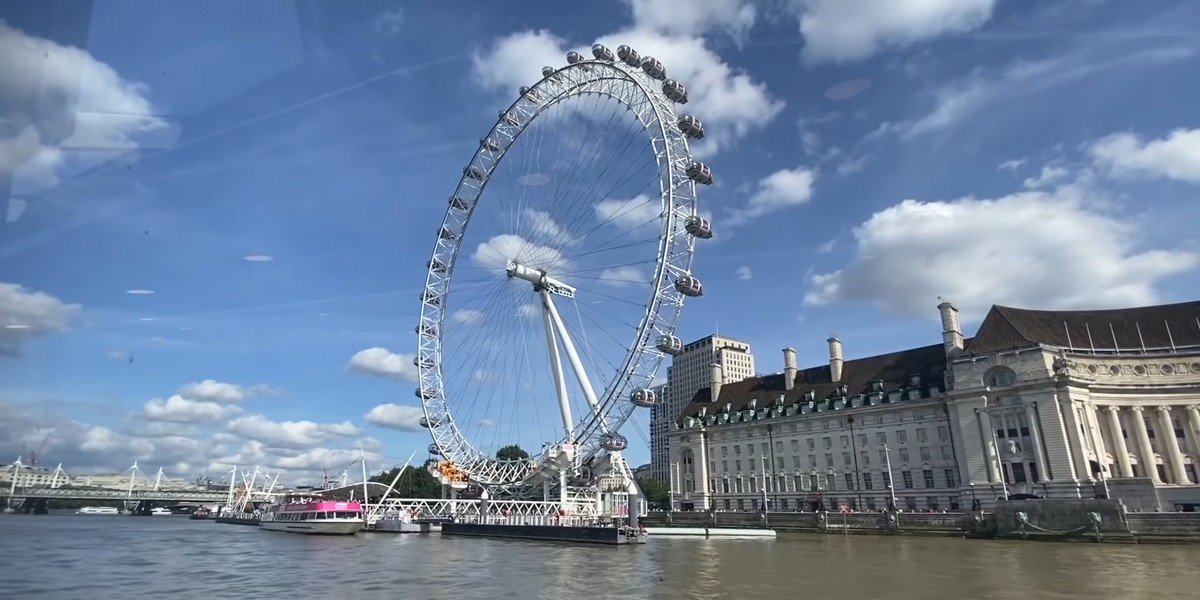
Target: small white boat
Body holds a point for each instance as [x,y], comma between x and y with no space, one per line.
[159,511]
[98,510]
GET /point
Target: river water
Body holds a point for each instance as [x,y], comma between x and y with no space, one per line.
[69,556]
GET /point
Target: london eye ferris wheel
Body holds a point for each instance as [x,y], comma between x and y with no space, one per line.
[560,269]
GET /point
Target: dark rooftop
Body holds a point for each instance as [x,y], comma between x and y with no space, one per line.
[895,370]
[1151,328]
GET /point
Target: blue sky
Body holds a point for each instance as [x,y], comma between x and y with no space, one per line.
[274,172]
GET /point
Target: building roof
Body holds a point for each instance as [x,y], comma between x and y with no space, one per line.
[1150,328]
[895,370]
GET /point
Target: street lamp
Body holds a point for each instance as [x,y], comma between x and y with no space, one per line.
[887,454]
[774,482]
[854,451]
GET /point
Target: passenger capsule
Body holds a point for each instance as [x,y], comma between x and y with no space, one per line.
[574,57]
[644,398]
[691,126]
[425,364]
[474,173]
[434,450]
[669,344]
[699,227]
[613,442]
[601,52]
[629,55]
[459,203]
[424,394]
[700,173]
[689,286]
[654,68]
[547,71]
[675,91]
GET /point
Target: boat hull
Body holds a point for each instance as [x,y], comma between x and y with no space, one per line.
[339,527]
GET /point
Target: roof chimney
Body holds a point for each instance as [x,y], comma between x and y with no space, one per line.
[789,368]
[952,337]
[718,378]
[835,359]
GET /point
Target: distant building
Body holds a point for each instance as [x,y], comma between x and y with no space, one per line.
[690,371]
[27,476]
[1060,404]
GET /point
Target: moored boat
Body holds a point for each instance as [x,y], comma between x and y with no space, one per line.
[160,511]
[98,510]
[201,514]
[314,516]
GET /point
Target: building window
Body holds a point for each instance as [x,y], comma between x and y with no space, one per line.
[795,461]
[783,503]
[921,435]
[953,502]
[829,460]
[795,445]
[870,503]
[812,461]
[725,487]
[911,503]
[741,504]
[883,460]
[932,502]
[727,504]
[753,485]
[887,480]
[812,444]
[943,433]
[737,450]
[904,455]
[1018,470]
[946,453]
[738,465]
[901,437]
[907,478]
[882,437]
[1000,377]
[868,482]
[750,449]
[724,451]
[862,440]
[828,443]
[849,481]
[929,478]
[845,441]
[925,453]
[847,460]
[951,478]
[865,457]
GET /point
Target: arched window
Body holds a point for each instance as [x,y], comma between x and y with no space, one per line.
[999,377]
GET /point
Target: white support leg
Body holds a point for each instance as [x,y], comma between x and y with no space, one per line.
[560,382]
[585,384]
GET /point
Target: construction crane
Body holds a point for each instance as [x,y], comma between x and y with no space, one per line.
[36,452]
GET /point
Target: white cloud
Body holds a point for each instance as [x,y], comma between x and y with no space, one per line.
[544,227]
[396,416]
[212,390]
[827,247]
[779,190]
[389,21]
[57,98]
[1049,175]
[290,434]
[1011,164]
[466,316]
[1040,249]
[729,101]
[743,273]
[623,276]
[497,251]
[639,211]
[1127,156]
[529,311]
[735,17]
[384,363]
[841,31]
[25,313]
[179,409]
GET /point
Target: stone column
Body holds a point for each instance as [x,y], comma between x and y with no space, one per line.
[1031,419]
[991,452]
[702,485]
[1171,445]
[1193,413]
[1145,452]
[1124,469]
[1075,435]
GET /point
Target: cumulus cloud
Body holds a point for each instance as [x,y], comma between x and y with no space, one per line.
[1128,156]
[743,273]
[497,251]
[59,97]
[396,416]
[466,316]
[384,363]
[638,211]
[290,434]
[1048,176]
[389,21]
[25,314]
[212,390]
[1040,249]
[841,31]
[729,101]
[179,409]
[782,189]
[735,17]
[623,276]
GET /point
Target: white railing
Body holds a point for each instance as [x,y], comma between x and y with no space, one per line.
[510,512]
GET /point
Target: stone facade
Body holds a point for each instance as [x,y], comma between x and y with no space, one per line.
[1020,409]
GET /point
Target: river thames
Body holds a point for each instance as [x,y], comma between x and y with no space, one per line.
[68,556]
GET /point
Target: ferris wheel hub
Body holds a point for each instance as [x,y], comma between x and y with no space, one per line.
[539,279]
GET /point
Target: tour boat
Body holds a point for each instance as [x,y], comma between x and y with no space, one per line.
[314,516]
[159,511]
[97,510]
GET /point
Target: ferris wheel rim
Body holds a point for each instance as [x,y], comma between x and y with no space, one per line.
[674,255]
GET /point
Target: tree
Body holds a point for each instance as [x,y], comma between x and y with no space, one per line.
[414,482]
[658,494]
[511,452]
